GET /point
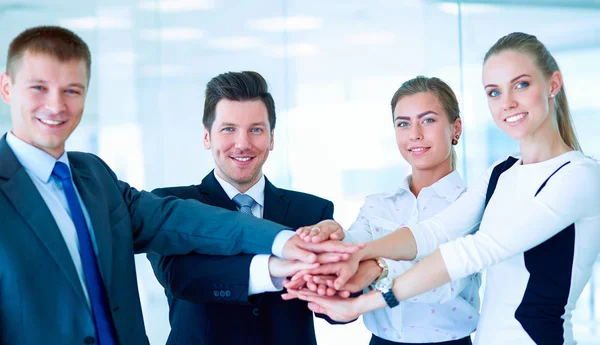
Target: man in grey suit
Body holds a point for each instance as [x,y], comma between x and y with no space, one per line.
[69,227]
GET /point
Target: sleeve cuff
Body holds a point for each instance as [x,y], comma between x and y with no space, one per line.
[260,279]
[280,241]
[452,260]
[420,239]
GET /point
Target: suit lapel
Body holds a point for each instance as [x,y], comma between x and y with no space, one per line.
[276,206]
[214,193]
[99,217]
[27,201]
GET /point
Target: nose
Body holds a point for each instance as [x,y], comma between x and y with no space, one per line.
[55,102]
[508,102]
[242,141]
[416,132]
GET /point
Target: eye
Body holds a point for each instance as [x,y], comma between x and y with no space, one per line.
[227,129]
[522,85]
[428,120]
[494,93]
[256,130]
[38,88]
[72,92]
[402,124]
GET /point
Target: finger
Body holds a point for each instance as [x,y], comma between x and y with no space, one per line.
[303,232]
[323,279]
[331,292]
[322,290]
[344,294]
[338,235]
[342,279]
[333,247]
[303,255]
[312,286]
[288,296]
[326,258]
[315,308]
[295,285]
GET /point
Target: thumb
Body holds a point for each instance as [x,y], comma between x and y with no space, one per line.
[344,275]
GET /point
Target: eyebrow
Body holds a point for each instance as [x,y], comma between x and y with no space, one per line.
[231,124]
[418,116]
[512,80]
[41,81]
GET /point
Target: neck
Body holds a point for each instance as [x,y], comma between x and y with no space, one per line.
[422,178]
[54,152]
[241,187]
[544,144]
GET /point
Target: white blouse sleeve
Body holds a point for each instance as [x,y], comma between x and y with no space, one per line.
[571,195]
[459,219]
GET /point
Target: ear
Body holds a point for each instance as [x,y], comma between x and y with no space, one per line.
[206,138]
[556,82]
[272,144]
[457,128]
[5,87]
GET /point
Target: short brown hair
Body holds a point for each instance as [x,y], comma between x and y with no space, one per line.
[237,86]
[54,41]
[442,91]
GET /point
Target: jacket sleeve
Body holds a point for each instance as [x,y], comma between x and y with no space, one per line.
[170,226]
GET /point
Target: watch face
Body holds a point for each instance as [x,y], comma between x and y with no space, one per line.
[384,284]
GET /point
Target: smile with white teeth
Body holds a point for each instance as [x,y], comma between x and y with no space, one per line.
[51,122]
[417,149]
[241,159]
[515,118]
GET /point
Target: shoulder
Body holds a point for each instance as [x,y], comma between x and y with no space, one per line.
[182,192]
[305,198]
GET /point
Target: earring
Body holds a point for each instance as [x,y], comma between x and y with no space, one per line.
[455,141]
[551,95]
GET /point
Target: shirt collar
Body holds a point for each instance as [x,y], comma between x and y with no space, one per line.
[449,187]
[257,192]
[35,161]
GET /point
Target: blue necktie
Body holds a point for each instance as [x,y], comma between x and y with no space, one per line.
[95,287]
[244,202]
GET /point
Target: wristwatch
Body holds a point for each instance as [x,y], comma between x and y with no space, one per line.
[385,287]
[384,269]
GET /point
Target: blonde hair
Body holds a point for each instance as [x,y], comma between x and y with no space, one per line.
[440,90]
[529,44]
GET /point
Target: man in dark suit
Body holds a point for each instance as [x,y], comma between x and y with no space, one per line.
[70,228]
[216,300]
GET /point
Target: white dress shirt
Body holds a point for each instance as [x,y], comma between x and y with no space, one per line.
[539,246]
[39,165]
[260,279]
[446,313]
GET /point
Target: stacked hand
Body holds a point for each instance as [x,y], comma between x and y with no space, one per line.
[328,286]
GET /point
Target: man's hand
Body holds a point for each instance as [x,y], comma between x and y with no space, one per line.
[297,249]
[323,231]
[281,268]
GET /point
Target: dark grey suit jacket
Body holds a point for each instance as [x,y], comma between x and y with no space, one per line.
[41,298]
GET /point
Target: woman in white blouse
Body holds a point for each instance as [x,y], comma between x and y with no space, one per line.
[427,123]
[538,216]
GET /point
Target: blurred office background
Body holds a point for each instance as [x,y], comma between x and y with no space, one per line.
[332,67]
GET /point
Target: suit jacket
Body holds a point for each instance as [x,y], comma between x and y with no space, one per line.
[208,295]
[41,297]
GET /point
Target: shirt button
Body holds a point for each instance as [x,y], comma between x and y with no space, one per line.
[255,311]
[89,340]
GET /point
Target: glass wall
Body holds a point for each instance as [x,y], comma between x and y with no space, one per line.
[332,68]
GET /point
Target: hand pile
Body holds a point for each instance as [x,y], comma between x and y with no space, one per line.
[336,273]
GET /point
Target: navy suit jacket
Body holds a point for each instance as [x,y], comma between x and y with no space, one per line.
[41,297]
[208,295]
